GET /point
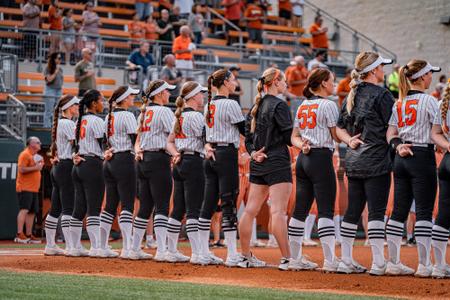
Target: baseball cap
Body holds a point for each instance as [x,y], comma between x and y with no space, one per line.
[428,68]
[128,92]
[163,87]
[379,61]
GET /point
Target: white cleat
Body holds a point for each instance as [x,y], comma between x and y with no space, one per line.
[257,244]
[352,268]
[330,266]
[160,256]
[310,243]
[139,255]
[78,252]
[201,259]
[215,260]
[250,262]
[303,263]
[377,270]
[176,257]
[424,271]
[284,264]
[125,254]
[53,251]
[441,272]
[107,253]
[151,244]
[93,252]
[398,269]
[233,260]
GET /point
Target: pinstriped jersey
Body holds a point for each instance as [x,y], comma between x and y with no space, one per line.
[414,117]
[191,136]
[224,114]
[92,128]
[438,120]
[65,133]
[157,125]
[314,118]
[123,123]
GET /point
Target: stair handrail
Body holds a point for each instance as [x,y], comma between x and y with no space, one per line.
[19,131]
[217,14]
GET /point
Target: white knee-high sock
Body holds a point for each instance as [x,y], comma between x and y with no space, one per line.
[193,235]
[348,232]
[160,227]
[93,230]
[76,227]
[254,232]
[422,232]
[51,223]
[439,243]
[309,225]
[296,230]
[106,220]
[173,231]
[230,235]
[327,238]
[65,225]
[337,228]
[126,227]
[204,227]
[394,235]
[139,229]
[376,231]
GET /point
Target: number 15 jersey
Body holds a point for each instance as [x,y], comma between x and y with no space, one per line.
[314,117]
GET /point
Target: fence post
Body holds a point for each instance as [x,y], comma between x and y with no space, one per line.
[337,35]
[39,48]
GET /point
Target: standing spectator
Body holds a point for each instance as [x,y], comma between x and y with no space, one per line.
[170,75]
[182,49]
[437,93]
[185,7]
[91,23]
[317,62]
[319,34]
[233,12]
[28,182]
[151,29]
[165,28]
[196,22]
[141,58]
[54,80]
[254,15]
[284,12]
[31,20]
[164,4]
[297,12]
[143,8]
[69,35]
[394,80]
[238,92]
[296,76]
[55,20]
[343,87]
[176,20]
[84,72]
[136,28]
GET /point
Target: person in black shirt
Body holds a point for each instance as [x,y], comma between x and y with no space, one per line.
[267,136]
[362,125]
[165,27]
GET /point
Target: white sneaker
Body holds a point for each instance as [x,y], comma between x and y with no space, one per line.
[215,260]
[107,253]
[310,243]
[330,266]
[233,260]
[151,244]
[440,272]
[250,262]
[139,255]
[176,257]
[53,251]
[377,270]
[194,259]
[398,269]
[303,263]
[257,243]
[424,271]
[284,264]
[125,254]
[272,244]
[160,256]
[78,252]
[353,267]
[93,252]
[203,260]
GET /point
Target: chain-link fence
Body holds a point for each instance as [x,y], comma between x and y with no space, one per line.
[8,73]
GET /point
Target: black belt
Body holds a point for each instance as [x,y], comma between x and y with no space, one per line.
[193,153]
[155,151]
[91,156]
[420,145]
[221,144]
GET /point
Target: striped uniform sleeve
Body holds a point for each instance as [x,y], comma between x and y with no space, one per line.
[98,128]
[437,120]
[198,125]
[331,113]
[235,112]
[130,124]
[69,130]
[393,121]
[432,108]
[167,120]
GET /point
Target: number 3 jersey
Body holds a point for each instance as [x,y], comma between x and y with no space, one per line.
[157,125]
[414,117]
[314,118]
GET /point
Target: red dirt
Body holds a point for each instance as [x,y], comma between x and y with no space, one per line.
[407,287]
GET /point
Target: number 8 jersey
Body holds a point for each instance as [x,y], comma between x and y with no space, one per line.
[414,117]
[314,118]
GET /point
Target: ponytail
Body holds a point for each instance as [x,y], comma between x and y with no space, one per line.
[208,111]
[444,108]
[315,80]
[356,77]
[254,111]
[403,85]
[53,147]
[178,112]
[81,109]
[142,114]
[110,116]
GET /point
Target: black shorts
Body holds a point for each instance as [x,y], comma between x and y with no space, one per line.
[28,201]
[272,178]
[255,34]
[286,14]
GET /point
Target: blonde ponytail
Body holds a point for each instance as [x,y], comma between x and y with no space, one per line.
[355,80]
[444,108]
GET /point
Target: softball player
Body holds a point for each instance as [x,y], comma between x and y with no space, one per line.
[119,172]
[409,134]
[314,132]
[224,122]
[186,145]
[362,125]
[62,198]
[153,170]
[87,174]
[440,233]
[268,135]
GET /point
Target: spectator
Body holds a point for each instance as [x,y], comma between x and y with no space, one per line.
[238,92]
[69,36]
[343,87]
[182,49]
[151,29]
[91,23]
[53,75]
[296,76]
[233,11]
[28,182]
[164,4]
[319,34]
[393,81]
[297,12]
[442,81]
[31,20]
[165,28]
[84,72]
[437,93]
[55,20]
[143,8]
[254,14]
[176,20]
[196,22]
[141,58]
[284,12]
[136,28]
[185,7]
[170,75]
[317,62]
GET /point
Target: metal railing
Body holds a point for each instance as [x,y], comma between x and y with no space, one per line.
[226,22]
[9,70]
[13,119]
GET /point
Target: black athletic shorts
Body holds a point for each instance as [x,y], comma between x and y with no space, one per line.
[272,178]
[28,201]
[286,14]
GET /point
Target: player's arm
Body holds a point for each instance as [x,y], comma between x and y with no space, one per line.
[170,147]
[296,138]
[334,134]
[438,137]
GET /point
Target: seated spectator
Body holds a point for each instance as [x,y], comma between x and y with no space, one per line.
[182,49]
[85,73]
[343,87]
[91,23]
[55,20]
[254,15]
[317,62]
[171,75]
[238,92]
[165,28]
[185,7]
[296,76]
[144,9]
[141,57]
[297,12]
[31,20]
[69,30]
[176,20]
[284,12]
[136,28]
[151,29]
[319,34]
[197,23]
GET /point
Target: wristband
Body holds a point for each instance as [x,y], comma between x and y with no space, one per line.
[395,142]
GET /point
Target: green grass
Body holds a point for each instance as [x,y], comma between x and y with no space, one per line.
[14,285]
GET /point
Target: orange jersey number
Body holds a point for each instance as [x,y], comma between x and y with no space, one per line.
[307,116]
[111,127]
[83,129]
[147,120]
[181,134]
[410,113]
[212,111]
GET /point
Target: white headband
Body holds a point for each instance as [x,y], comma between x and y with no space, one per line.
[165,86]
[380,60]
[195,91]
[425,70]
[128,92]
[72,101]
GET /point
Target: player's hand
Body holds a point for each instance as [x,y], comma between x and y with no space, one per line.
[176,158]
[404,150]
[210,152]
[354,141]
[77,159]
[259,156]
[306,146]
[108,154]
[139,155]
